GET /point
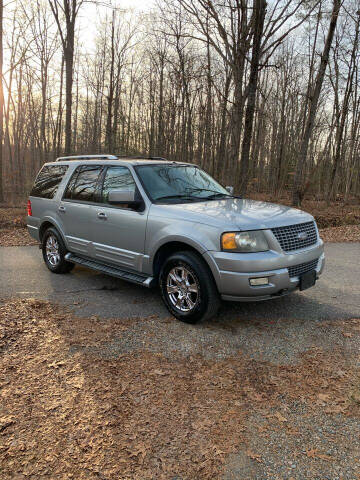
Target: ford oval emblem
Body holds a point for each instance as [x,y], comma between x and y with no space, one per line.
[302,236]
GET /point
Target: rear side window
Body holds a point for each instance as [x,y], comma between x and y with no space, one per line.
[83,183]
[48,180]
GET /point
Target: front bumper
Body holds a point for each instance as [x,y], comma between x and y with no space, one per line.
[232,272]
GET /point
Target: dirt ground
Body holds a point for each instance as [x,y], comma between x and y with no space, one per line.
[13,231]
[80,401]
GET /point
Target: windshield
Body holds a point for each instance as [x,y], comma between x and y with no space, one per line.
[179,183]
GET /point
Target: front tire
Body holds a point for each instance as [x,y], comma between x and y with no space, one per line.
[188,288]
[54,250]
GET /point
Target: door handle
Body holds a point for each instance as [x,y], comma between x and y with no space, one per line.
[62,208]
[102,216]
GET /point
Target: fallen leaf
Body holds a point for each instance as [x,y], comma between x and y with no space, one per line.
[314,453]
[254,456]
[5,422]
[280,417]
[335,409]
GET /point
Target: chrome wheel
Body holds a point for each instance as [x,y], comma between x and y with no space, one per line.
[52,250]
[182,289]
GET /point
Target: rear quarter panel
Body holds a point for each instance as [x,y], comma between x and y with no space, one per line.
[46,209]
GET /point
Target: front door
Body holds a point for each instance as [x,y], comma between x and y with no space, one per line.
[119,232]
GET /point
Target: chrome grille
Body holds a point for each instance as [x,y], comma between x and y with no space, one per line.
[288,236]
[302,268]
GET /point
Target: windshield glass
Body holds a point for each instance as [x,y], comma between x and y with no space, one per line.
[177,183]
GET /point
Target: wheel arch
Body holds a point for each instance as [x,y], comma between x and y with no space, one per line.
[167,249]
[174,246]
[47,223]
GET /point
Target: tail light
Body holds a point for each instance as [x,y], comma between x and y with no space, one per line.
[29,211]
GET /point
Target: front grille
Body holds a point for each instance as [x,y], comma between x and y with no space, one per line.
[288,237]
[302,268]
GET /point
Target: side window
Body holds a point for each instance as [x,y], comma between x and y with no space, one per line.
[83,183]
[48,180]
[117,178]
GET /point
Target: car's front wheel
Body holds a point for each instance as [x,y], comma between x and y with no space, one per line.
[188,288]
[54,250]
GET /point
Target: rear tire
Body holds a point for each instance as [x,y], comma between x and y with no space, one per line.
[54,251]
[188,288]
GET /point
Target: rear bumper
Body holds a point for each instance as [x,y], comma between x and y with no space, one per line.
[232,272]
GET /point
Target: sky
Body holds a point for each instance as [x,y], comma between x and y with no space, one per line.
[89,15]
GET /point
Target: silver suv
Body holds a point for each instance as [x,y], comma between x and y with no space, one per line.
[156,222]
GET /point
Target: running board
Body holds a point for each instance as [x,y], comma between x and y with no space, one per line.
[137,278]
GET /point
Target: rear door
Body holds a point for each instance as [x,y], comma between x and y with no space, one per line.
[119,232]
[77,208]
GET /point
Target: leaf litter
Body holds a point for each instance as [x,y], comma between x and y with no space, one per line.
[68,413]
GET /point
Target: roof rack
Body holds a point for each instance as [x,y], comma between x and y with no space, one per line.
[141,157]
[87,157]
[107,157]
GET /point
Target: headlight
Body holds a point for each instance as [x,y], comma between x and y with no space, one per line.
[245,242]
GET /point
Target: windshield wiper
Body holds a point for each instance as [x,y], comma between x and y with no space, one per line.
[169,197]
[214,193]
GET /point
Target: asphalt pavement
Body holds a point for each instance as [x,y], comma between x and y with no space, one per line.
[23,274]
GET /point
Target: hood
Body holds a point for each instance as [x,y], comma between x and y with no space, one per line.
[243,214]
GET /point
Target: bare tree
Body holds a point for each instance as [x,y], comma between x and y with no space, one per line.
[68,9]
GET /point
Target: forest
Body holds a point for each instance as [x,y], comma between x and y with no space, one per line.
[264,95]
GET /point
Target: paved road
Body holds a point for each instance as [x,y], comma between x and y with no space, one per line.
[23,273]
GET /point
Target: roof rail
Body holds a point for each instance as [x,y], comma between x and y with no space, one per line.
[87,157]
[141,157]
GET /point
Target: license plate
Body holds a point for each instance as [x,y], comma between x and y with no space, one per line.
[307,279]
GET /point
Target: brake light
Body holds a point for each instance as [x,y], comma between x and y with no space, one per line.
[29,211]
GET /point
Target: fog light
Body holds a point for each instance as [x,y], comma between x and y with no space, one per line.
[255,282]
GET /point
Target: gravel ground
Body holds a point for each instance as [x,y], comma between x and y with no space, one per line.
[280,342]
[310,446]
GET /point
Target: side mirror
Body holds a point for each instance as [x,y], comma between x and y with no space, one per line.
[123,197]
[230,189]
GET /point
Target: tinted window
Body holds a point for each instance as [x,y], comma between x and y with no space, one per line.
[48,180]
[117,178]
[83,183]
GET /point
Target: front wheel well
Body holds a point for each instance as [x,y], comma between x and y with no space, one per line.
[168,249]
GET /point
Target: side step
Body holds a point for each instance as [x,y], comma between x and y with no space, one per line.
[137,278]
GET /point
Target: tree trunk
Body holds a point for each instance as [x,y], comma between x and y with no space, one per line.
[344,114]
[109,141]
[259,17]
[69,62]
[160,129]
[298,178]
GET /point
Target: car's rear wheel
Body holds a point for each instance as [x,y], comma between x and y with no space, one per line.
[188,288]
[54,250]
